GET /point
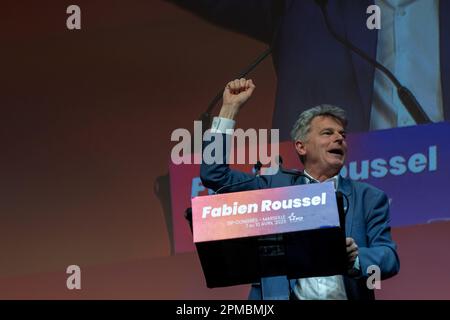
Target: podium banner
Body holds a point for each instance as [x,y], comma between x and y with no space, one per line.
[263,212]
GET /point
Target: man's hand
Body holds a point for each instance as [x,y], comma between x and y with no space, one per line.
[235,94]
[352,250]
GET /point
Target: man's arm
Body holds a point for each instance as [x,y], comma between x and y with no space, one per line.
[381,249]
[218,175]
[255,18]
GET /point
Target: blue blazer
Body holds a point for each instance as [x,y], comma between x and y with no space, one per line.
[312,67]
[367,220]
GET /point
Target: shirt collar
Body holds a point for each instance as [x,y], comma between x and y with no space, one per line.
[334,179]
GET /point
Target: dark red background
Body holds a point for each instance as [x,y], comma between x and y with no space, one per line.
[85,139]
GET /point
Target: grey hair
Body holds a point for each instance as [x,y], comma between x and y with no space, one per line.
[302,126]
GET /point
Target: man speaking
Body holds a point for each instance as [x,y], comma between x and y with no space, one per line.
[319,139]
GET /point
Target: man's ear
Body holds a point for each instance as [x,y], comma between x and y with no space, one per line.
[300,147]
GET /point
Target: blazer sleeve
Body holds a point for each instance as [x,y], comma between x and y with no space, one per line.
[255,18]
[381,249]
[215,173]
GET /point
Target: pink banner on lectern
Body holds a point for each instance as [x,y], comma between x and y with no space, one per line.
[263,212]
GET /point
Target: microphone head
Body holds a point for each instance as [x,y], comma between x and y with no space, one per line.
[257,167]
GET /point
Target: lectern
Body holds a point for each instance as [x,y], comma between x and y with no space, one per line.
[295,231]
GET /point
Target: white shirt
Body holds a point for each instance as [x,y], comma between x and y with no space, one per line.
[321,288]
[408,45]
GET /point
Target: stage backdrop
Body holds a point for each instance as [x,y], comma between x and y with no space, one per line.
[86,122]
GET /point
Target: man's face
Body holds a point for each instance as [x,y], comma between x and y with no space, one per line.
[325,147]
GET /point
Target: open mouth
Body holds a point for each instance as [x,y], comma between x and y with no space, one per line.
[338,152]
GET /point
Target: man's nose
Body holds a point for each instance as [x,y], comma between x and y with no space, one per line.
[339,137]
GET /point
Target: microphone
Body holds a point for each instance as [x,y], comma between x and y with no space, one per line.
[294,172]
[406,97]
[257,168]
[236,184]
